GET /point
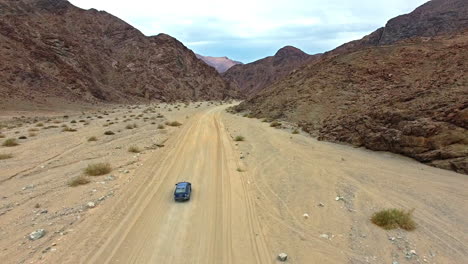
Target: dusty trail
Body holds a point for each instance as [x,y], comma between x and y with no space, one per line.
[218,225]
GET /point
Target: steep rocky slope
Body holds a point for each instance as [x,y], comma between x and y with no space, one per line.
[409,97]
[51,49]
[254,77]
[221,64]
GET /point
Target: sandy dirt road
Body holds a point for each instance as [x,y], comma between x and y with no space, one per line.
[217,225]
[249,197]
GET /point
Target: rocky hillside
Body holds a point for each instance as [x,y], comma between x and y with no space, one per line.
[254,77]
[431,19]
[221,64]
[408,97]
[52,49]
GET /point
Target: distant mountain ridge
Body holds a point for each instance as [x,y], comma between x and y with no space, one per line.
[221,64]
[52,49]
[253,77]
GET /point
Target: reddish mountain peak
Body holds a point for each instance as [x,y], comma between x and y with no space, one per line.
[289,51]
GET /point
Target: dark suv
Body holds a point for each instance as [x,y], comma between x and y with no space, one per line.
[182,191]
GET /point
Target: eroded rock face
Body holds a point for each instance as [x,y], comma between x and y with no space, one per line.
[253,77]
[51,49]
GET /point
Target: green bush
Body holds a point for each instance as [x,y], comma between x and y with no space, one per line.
[394,218]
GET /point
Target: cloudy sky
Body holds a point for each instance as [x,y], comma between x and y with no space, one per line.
[247,30]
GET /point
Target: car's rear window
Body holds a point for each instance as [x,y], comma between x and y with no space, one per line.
[180,190]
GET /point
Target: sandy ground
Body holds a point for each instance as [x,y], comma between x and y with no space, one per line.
[248,202]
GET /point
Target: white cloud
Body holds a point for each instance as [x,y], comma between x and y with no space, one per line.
[205,22]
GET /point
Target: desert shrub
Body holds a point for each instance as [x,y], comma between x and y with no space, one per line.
[275,124]
[161,126]
[32,134]
[173,124]
[134,149]
[295,131]
[93,138]
[68,129]
[239,138]
[98,169]
[23,137]
[39,124]
[73,121]
[5,156]
[11,142]
[394,218]
[80,180]
[109,133]
[131,126]
[33,129]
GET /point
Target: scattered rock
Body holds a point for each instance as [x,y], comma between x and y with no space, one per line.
[321,204]
[339,198]
[30,186]
[306,216]
[37,234]
[110,178]
[283,257]
[90,205]
[326,236]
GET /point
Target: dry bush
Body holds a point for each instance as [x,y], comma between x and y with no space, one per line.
[239,138]
[134,149]
[109,133]
[275,124]
[5,156]
[161,126]
[394,218]
[93,138]
[173,123]
[11,142]
[79,180]
[295,131]
[68,129]
[98,169]
[131,126]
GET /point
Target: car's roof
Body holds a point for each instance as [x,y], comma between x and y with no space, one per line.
[182,184]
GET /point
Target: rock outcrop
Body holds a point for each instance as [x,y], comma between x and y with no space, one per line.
[403,91]
[53,50]
[253,77]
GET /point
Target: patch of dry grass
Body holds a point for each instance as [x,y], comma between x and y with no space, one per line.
[93,138]
[79,180]
[173,123]
[239,138]
[275,124]
[11,142]
[134,149]
[5,156]
[98,169]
